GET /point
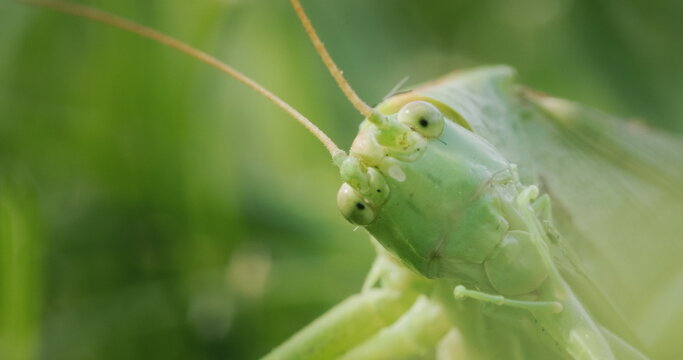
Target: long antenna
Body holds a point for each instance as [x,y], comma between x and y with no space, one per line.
[357,102]
[106,18]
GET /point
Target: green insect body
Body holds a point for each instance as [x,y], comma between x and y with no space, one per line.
[449,206]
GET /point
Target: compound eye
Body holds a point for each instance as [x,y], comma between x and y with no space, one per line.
[353,207]
[422,117]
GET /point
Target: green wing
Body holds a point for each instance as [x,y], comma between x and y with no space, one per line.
[617,197]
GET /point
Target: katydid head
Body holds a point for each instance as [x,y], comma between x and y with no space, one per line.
[429,193]
[383,140]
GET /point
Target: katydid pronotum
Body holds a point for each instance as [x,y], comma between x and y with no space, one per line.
[511,270]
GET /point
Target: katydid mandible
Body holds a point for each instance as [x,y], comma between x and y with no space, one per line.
[467,242]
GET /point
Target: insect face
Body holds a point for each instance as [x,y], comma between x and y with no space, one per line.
[440,210]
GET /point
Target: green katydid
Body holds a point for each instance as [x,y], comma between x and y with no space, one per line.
[520,258]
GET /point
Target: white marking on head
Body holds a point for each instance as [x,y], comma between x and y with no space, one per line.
[397,173]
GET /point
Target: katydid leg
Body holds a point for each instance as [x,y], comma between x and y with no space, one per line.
[415,335]
[572,326]
[389,291]
[461,292]
[346,325]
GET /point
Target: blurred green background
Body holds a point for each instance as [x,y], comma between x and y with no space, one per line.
[150,207]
